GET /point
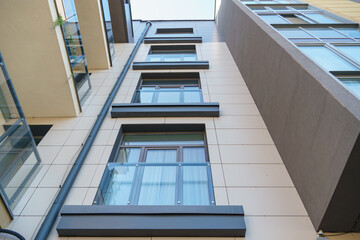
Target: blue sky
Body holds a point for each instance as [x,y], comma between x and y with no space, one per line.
[173,9]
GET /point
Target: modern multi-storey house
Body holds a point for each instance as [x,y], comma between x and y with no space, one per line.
[241,127]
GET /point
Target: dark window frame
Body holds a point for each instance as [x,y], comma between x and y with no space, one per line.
[171,50]
[179,164]
[168,78]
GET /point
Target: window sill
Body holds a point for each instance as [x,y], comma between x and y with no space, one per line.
[207,109]
[173,40]
[171,65]
[151,221]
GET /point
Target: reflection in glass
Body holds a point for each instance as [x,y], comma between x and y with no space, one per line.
[320,18]
[108,27]
[128,155]
[120,183]
[19,159]
[324,33]
[327,59]
[352,32]
[294,33]
[273,19]
[351,51]
[75,50]
[353,84]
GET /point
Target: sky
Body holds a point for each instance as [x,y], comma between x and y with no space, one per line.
[173,9]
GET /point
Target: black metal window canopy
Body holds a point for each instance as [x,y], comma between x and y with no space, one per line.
[168,39]
[152,221]
[174,30]
[120,110]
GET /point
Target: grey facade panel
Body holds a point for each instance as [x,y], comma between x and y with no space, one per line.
[165,110]
[313,120]
[155,221]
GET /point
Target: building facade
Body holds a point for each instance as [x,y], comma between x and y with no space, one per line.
[229,129]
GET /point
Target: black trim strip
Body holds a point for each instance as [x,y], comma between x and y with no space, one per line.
[173,40]
[171,65]
[165,110]
[154,221]
[174,30]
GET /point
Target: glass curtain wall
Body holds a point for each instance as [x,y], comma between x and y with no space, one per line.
[19,159]
[71,32]
[108,28]
[318,35]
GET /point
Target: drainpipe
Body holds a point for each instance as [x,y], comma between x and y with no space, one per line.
[53,213]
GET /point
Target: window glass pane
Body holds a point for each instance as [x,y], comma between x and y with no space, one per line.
[163,139]
[320,18]
[161,156]
[352,51]
[273,19]
[158,185]
[167,96]
[327,59]
[128,155]
[353,84]
[195,185]
[295,19]
[258,8]
[153,58]
[192,97]
[300,7]
[192,155]
[190,58]
[145,97]
[120,184]
[324,33]
[172,58]
[352,32]
[294,33]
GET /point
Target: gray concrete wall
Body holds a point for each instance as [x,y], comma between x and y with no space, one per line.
[312,118]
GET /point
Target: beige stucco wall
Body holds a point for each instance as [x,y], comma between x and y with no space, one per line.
[345,8]
[36,58]
[92,31]
[5,217]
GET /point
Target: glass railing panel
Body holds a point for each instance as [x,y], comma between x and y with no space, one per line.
[75,50]
[19,159]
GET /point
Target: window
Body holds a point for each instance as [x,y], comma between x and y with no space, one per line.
[352,83]
[327,58]
[168,90]
[157,168]
[352,51]
[172,53]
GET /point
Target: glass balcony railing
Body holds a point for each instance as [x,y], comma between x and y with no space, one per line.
[74,47]
[19,159]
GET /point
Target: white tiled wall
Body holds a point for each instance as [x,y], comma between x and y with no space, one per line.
[246,167]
